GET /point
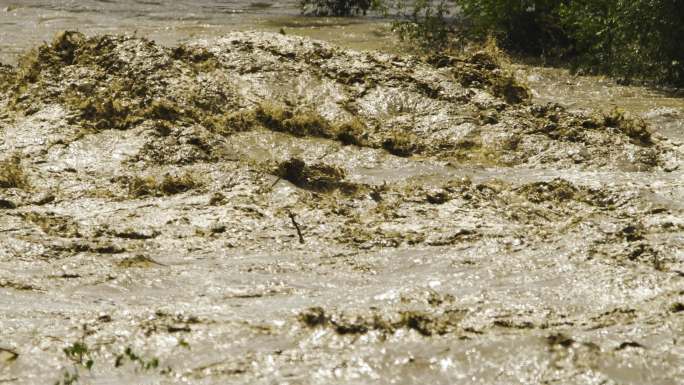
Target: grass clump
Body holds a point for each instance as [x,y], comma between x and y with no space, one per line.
[351,132]
[401,143]
[230,123]
[12,174]
[486,68]
[79,353]
[115,107]
[306,122]
[168,185]
[302,123]
[106,110]
[142,362]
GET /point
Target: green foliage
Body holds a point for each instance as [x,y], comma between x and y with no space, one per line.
[425,22]
[78,353]
[630,39]
[636,39]
[143,363]
[528,25]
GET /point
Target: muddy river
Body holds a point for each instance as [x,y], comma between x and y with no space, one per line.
[211,192]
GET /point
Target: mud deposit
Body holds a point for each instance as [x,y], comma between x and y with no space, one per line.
[262,209]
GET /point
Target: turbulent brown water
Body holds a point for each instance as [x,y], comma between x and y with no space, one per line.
[253,207]
[27,23]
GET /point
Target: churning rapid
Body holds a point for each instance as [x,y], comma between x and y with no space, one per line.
[264,208]
[27,23]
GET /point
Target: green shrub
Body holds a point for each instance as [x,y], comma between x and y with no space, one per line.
[424,22]
[629,39]
[637,39]
[531,26]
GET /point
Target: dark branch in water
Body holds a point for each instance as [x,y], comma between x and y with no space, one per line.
[275,183]
[296,225]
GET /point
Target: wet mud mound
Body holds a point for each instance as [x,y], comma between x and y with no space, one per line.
[260,208]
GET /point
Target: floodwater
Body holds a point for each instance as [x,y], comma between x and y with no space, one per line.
[195,216]
[25,24]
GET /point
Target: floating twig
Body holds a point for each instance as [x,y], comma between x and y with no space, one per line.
[274,183]
[296,225]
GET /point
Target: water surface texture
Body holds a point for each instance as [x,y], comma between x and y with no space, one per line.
[226,204]
[27,23]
